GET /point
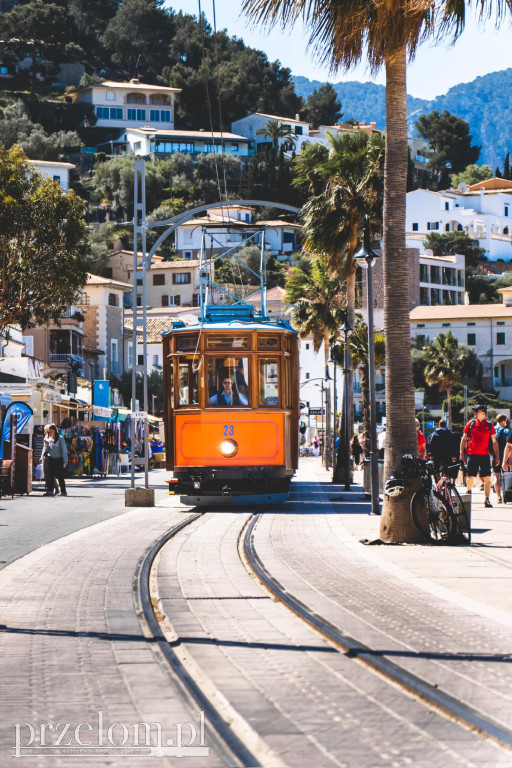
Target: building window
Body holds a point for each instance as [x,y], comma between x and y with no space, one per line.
[155,360]
[505,230]
[139,301]
[500,322]
[181,278]
[307,375]
[420,325]
[500,338]
[234,147]
[435,297]
[506,210]
[446,325]
[154,115]
[140,359]
[447,228]
[158,279]
[111,96]
[435,274]
[177,300]
[432,225]
[139,281]
[165,115]
[165,300]
[103,113]
[137,145]
[116,113]
[447,206]
[307,346]
[424,296]
[471,339]
[188,254]
[137,114]
[424,273]
[113,300]
[415,226]
[471,323]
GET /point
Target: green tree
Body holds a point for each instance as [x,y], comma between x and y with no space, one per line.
[123,382]
[277,130]
[137,37]
[482,288]
[450,143]
[99,239]
[231,271]
[445,243]
[17,128]
[41,29]
[42,244]
[342,33]
[445,361]
[357,345]
[323,107]
[472,174]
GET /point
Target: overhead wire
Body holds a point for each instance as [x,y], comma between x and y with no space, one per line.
[216,49]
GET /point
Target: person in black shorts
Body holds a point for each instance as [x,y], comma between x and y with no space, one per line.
[475,441]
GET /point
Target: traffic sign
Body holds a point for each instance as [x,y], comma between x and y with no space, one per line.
[315,412]
[430,425]
[139,414]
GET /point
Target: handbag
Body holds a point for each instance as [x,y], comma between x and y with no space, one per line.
[39,471]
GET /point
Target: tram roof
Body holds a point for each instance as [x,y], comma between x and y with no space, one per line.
[257,324]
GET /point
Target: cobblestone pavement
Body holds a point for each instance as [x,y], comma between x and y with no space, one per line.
[312,705]
[71,644]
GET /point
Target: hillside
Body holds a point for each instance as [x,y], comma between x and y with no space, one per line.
[485,103]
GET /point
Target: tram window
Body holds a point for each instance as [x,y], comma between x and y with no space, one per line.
[188,385]
[269,342]
[269,381]
[186,343]
[227,342]
[228,381]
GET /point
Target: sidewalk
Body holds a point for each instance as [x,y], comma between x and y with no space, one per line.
[478,577]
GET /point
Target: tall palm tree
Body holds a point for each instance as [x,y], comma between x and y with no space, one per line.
[388,33]
[345,179]
[445,361]
[317,309]
[357,345]
[275,130]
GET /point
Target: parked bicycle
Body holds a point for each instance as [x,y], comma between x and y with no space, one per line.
[436,507]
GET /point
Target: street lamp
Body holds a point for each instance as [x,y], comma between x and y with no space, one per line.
[334,409]
[366,258]
[345,329]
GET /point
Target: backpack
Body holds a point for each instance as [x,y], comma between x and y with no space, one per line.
[502,436]
[442,443]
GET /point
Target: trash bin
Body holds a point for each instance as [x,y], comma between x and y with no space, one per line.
[466,500]
[367,479]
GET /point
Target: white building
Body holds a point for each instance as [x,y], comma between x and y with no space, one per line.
[223,227]
[50,169]
[486,328]
[162,142]
[247,126]
[482,210]
[442,279]
[132,104]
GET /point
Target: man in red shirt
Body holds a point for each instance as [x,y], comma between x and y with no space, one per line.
[422,443]
[475,441]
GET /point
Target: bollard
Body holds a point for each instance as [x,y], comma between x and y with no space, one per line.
[139,497]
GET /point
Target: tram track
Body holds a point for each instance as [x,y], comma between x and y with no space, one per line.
[430,695]
[222,737]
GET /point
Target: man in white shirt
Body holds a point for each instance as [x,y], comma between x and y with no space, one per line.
[227,397]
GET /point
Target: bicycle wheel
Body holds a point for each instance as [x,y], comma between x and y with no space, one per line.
[461,516]
[431,517]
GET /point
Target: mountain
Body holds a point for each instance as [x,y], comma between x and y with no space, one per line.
[485,103]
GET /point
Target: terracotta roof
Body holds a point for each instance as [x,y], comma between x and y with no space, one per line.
[97,280]
[185,264]
[460,312]
[492,184]
[133,86]
[278,223]
[219,221]
[155,327]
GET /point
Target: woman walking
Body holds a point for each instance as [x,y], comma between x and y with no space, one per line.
[356,450]
[45,459]
[57,455]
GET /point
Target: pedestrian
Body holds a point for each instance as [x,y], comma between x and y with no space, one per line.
[58,459]
[475,442]
[503,434]
[45,459]
[381,442]
[357,450]
[315,445]
[441,446]
[422,443]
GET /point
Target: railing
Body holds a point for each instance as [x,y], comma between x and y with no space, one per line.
[59,357]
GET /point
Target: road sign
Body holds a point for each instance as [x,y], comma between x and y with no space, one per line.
[315,412]
[139,414]
[430,425]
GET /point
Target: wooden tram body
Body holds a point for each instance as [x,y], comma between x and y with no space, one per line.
[231,405]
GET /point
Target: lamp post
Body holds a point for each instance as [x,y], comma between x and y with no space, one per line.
[366,257]
[334,409]
[345,329]
[327,429]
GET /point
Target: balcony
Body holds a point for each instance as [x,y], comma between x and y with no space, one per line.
[58,357]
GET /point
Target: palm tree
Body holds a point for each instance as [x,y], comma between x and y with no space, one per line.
[317,310]
[275,130]
[388,33]
[357,345]
[345,179]
[445,361]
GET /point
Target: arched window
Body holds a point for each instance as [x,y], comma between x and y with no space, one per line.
[505,230]
[160,99]
[136,98]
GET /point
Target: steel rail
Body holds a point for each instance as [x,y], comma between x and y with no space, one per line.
[226,743]
[442,702]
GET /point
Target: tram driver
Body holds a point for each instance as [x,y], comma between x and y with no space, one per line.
[227,395]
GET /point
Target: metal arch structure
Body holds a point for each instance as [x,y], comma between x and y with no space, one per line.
[140,227]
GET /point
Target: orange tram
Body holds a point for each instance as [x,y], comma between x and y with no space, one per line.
[231,386]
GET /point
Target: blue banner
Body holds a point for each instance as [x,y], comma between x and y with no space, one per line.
[24,413]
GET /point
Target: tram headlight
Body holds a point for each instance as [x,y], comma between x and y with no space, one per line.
[229,448]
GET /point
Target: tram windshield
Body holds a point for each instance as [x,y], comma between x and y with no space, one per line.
[269,381]
[228,382]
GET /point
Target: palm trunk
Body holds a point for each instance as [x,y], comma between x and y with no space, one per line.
[327,428]
[396,523]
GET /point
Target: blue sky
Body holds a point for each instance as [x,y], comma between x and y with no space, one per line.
[481,49]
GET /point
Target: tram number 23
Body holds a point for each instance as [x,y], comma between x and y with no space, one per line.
[228,430]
